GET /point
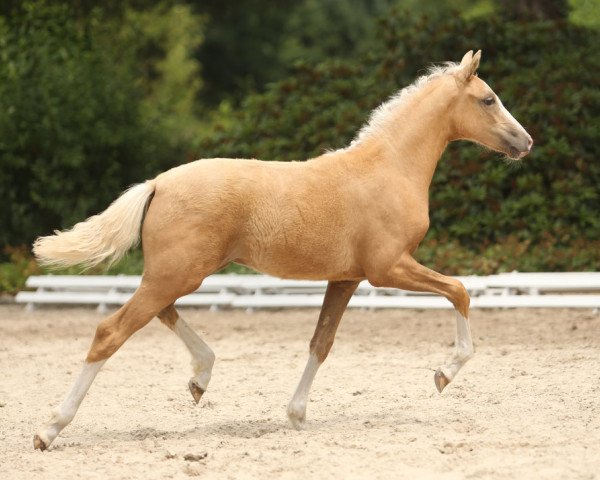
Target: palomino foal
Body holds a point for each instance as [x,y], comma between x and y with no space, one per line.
[353,214]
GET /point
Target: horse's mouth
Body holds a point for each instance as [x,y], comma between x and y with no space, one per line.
[515,154]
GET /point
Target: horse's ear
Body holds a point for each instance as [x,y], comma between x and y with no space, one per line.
[466,60]
[469,65]
[475,62]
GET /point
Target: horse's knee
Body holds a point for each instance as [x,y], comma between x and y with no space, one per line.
[460,298]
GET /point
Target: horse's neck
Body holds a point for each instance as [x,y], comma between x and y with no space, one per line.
[414,138]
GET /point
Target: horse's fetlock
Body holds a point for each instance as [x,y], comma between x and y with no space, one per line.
[210,357]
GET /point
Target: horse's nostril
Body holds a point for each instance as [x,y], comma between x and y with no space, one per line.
[530,143]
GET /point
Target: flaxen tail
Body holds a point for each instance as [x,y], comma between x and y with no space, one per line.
[103,237]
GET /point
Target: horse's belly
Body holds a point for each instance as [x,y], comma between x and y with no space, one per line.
[297,261]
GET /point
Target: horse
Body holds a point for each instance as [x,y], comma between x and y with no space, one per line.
[345,216]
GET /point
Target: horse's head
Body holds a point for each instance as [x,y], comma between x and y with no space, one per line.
[478,114]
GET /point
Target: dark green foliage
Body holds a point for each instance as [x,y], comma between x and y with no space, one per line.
[241,50]
[324,29]
[315,109]
[250,43]
[543,213]
[71,133]
[533,9]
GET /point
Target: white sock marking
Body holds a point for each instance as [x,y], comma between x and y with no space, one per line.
[297,407]
[64,413]
[203,357]
[463,348]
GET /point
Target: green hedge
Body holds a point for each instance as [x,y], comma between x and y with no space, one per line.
[72,133]
[543,214]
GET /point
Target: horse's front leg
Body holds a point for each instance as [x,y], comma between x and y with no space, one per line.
[337,296]
[408,274]
[463,351]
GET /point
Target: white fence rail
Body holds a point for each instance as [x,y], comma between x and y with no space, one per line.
[507,290]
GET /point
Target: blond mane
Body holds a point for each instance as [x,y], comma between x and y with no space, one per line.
[381,115]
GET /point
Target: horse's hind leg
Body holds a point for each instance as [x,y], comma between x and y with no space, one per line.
[337,296]
[148,300]
[203,357]
[64,413]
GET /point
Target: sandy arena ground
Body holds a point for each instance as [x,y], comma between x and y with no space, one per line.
[525,407]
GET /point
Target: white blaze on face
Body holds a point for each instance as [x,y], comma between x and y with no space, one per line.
[523,139]
[510,119]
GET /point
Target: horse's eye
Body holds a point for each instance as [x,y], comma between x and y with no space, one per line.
[489,101]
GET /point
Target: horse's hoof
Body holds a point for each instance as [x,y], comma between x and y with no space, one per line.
[297,422]
[196,390]
[296,417]
[440,380]
[39,444]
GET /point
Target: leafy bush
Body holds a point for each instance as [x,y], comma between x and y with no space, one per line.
[542,215]
[15,271]
[72,130]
